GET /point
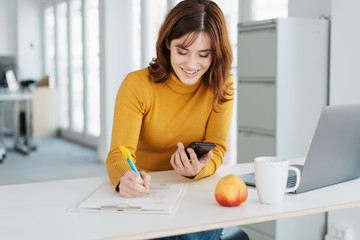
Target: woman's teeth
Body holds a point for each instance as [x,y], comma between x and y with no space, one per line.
[189,72]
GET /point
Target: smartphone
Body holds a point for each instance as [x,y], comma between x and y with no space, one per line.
[200,148]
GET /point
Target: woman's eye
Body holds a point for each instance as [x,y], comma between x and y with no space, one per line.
[181,53]
[204,56]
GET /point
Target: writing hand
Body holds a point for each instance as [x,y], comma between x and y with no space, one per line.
[132,185]
[183,166]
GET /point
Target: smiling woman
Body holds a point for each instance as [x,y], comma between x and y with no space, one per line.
[185,95]
[154,110]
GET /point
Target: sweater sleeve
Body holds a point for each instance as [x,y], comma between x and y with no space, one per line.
[129,111]
[217,131]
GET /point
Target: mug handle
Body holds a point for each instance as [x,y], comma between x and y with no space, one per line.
[297,171]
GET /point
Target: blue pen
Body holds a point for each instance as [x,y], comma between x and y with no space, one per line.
[132,165]
[125,151]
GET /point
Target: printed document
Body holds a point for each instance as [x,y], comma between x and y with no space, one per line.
[163,198]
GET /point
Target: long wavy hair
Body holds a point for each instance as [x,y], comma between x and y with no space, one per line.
[190,17]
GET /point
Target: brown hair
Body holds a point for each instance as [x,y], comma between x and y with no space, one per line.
[195,16]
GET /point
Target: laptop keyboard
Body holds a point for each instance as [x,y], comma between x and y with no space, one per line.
[292,176]
[291,181]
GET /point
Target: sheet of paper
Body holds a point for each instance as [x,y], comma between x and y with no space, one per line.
[163,198]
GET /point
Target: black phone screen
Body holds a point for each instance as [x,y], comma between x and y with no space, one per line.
[200,148]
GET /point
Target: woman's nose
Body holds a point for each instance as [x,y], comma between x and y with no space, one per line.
[192,62]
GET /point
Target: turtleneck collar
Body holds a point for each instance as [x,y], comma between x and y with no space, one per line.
[178,86]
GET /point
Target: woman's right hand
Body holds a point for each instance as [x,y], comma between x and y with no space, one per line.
[132,185]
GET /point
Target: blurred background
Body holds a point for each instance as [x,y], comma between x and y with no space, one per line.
[67,59]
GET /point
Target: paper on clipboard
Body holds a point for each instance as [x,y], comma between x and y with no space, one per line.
[164,198]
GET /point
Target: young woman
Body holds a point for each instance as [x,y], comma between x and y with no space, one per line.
[185,95]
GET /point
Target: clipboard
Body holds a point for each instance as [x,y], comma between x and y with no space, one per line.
[163,199]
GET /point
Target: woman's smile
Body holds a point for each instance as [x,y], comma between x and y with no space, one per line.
[190,62]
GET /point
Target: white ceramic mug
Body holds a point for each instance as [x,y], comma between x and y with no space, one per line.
[271,175]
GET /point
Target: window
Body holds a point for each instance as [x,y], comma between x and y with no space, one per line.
[49,29]
[76,75]
[92,73]
[71,35]
[62,65]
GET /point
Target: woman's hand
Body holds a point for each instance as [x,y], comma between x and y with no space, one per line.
[132,185]
[186,167]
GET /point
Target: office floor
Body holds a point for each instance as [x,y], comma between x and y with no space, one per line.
[54,159]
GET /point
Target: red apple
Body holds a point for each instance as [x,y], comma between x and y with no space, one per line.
[231,191]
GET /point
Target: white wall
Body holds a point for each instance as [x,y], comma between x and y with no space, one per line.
[8,25]
[345,80]
[29,42]
[116,44]
[309,8]
[345,52]
[20,35]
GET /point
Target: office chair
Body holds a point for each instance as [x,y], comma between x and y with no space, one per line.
[234,233]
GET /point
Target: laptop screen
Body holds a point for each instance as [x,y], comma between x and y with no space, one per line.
[334,154]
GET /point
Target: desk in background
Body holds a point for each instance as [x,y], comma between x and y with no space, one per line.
[41,210]
[18,97]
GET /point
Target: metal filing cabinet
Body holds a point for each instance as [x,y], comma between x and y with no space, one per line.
[282,85]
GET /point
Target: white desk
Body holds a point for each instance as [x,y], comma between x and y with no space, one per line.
[18,97]
[40,210]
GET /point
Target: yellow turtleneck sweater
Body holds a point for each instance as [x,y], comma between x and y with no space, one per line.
[151,118]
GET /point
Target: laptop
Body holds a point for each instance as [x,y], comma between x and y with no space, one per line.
[334,153]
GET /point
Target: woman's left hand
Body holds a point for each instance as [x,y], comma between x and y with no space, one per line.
[188,167]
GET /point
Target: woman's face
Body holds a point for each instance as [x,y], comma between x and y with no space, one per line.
[190,63]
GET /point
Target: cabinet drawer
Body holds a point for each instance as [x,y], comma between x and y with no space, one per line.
[256,105]
[251,145]
[257,53]
[266,229]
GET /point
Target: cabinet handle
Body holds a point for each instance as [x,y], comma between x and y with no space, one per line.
[249,132]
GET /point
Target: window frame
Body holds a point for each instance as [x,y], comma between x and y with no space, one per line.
[68,132]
